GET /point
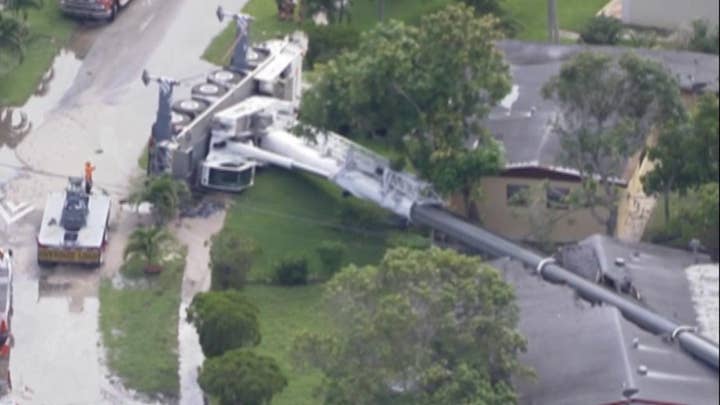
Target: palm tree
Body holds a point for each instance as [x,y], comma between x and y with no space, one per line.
[22,6]
[12,43]
[165,194]
[147,243]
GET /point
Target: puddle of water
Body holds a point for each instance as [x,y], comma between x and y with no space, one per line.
[17,123]
[52,362]
[52,87]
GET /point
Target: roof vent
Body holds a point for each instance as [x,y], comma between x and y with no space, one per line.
[636,343]
[630,392]
[620,262]
[642,369]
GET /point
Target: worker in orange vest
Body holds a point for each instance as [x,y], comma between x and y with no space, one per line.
[89,168]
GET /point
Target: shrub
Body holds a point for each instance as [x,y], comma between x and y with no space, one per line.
[242,377]
[704,38]
[331,255]
[225,320]
[291,271]
[231,258]
[602,30]
[327,41]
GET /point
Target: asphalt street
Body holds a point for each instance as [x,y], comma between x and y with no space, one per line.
[93,106]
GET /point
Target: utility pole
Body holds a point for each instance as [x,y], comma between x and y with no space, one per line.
[553,32]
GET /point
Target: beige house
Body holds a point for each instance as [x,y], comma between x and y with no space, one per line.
[529,203]
[668,14]
[526,200]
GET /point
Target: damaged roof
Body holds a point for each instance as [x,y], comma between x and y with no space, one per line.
[666,280]
[584,354]
[523,119]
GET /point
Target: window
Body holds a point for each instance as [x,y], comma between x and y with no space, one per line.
[557,197]
[517,195]
[230,178]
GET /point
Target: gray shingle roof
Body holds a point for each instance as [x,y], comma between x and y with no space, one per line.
[585,354]
[527,135]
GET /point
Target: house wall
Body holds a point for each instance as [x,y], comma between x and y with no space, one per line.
[517,222]
[669,14]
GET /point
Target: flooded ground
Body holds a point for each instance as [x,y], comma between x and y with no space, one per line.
[91,106]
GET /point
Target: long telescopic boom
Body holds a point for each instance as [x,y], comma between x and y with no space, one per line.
[484,241]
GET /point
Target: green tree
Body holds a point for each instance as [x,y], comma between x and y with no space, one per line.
[424,90]
[231,258]
[699,218]
[607,109]
[224,320]
[148,244]
[670,168]
[704,37]
[602,30]
[686,154]
[12,43]
[242,377]
[704,161]
[165,194]
[423,327]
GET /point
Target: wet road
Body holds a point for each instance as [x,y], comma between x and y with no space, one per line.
[91,107]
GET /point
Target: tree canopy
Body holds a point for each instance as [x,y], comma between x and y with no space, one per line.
[686,154]
[224,320]
[607,109]
[242,377]
[13,35]
[422,89]
[422,327]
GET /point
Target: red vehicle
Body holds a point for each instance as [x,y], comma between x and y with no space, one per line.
[96,9]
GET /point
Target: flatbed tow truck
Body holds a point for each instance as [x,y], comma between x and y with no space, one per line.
[74,227]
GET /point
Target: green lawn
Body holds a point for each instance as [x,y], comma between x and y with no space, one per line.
[139,325]
[532,15]
[267,25]
[49,31]
[284,312]
[288,213]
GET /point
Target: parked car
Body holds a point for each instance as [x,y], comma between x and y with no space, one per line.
[95,9]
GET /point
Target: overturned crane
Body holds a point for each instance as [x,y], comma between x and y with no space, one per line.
[250,126]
